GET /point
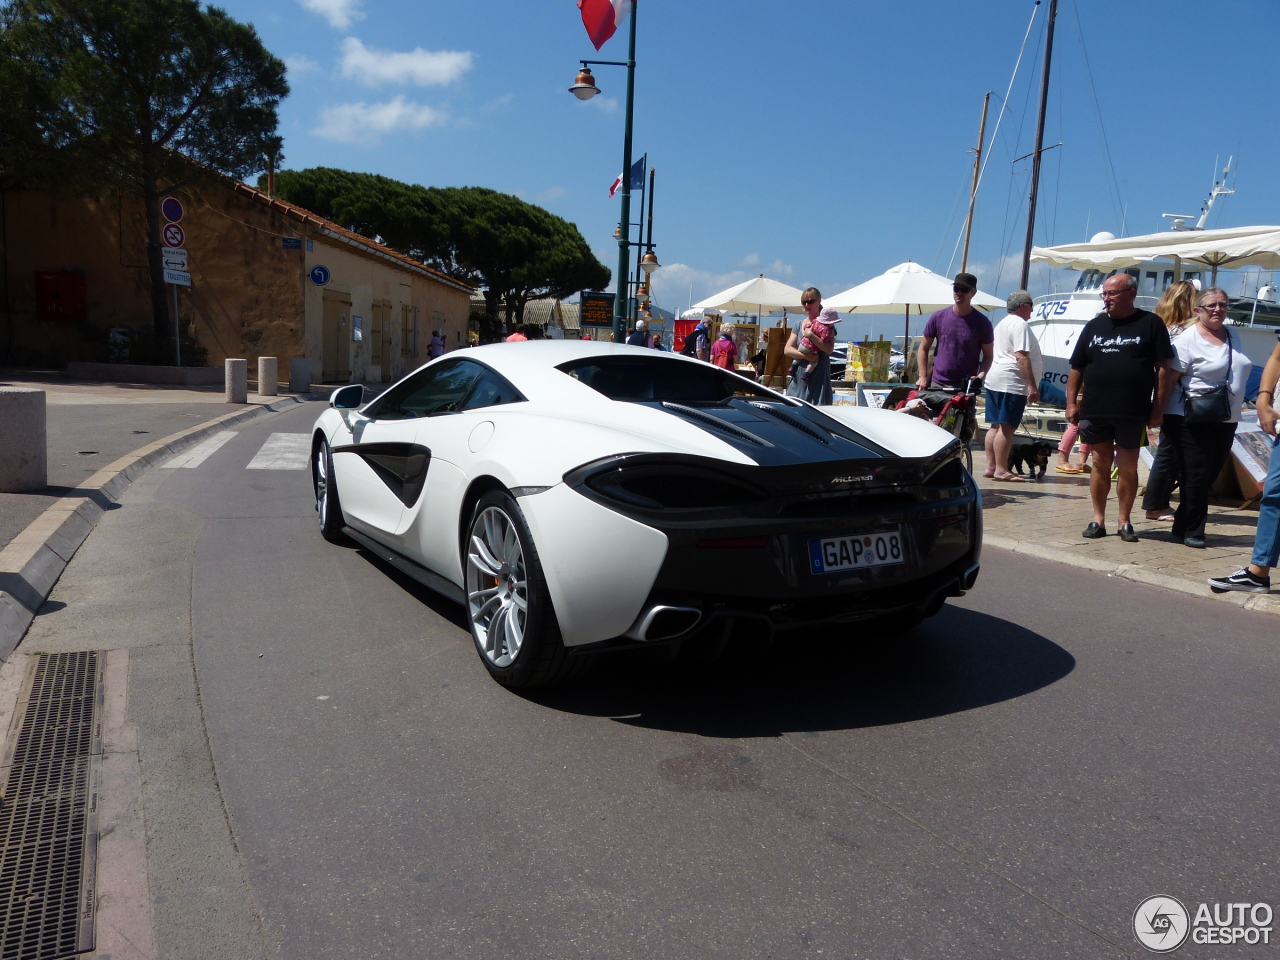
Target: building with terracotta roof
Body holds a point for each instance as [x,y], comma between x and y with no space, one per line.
[266,278]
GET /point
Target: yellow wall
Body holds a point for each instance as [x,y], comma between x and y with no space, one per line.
[365,280]
[250,295]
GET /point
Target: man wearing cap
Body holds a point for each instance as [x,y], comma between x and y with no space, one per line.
[964,337]
[640,336]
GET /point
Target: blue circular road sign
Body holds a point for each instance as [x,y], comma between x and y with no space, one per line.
[172,209]
[319,275]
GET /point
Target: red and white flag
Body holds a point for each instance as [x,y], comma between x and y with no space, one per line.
[602,18]
[613,188]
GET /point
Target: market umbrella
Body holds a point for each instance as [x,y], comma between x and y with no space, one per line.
[1228,247]
[754,295]
[908,286]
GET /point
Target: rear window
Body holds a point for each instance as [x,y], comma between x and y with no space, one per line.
[659,378]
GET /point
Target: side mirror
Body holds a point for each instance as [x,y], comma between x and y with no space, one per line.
[347,398]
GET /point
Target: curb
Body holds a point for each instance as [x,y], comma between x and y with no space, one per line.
[1259,602]
[32,562]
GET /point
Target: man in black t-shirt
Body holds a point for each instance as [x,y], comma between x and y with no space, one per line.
[1122,362]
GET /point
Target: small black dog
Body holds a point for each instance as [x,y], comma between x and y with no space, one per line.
[1034,454]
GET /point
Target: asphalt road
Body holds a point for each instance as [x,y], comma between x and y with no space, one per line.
[328,771]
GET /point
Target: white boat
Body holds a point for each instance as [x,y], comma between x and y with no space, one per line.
[1057,319]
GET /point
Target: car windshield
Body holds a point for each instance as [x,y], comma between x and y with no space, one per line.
[660,378]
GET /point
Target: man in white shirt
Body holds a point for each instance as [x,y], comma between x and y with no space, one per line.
[1014,379]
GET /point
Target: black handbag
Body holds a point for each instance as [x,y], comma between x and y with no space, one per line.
[1214,405]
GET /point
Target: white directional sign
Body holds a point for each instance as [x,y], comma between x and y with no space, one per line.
[173,252]
[178,277]
[174,263]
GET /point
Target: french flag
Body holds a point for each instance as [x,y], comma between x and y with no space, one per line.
[603,17]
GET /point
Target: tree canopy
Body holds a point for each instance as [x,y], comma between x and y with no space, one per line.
[130,92]
[515,250]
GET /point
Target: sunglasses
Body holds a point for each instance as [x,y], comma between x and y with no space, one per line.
[805,303]
[960,288]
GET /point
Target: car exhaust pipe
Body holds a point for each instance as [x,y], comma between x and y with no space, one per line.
[661,622]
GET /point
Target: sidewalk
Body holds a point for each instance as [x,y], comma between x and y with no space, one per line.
[1045,519]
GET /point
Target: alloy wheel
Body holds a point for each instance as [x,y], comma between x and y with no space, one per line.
[322,484]
[497,586]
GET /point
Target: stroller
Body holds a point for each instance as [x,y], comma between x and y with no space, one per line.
[954,412]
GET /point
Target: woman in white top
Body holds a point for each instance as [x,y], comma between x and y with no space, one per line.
[1014,378]
[1206,356]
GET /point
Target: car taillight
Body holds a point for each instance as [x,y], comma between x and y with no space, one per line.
[669,487]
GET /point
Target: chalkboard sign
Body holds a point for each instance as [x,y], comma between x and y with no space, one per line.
[596,309]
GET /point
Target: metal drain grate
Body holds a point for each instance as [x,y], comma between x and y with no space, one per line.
[48,825]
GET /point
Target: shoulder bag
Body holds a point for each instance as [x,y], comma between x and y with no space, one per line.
[1214,404]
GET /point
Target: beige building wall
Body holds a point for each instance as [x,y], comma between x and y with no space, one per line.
[375,286]
[251,295]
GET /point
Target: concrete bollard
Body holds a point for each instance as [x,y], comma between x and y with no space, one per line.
[268,376]
[237,381]
[24,440]
[299,375]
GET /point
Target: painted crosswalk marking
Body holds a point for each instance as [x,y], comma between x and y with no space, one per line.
[283,451]
[201,452]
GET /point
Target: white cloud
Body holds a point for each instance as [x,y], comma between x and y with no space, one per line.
[340,13]
[750,260]
[606,104]
[299,64]
[422,67]
[672,284]
[354,122]
[551,193]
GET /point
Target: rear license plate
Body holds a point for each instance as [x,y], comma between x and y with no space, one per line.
[851,553]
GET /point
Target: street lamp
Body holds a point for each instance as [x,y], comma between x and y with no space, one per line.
[584,88]
[649,264]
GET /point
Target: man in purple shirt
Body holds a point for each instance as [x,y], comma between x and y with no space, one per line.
[964,337]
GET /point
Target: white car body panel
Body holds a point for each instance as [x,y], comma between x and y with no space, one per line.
[603,566]
[431,535]
[366,499]
[902,435]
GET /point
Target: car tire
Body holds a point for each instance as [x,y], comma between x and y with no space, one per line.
[328,506]
[508,605]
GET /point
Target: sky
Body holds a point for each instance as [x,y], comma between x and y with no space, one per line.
[818,143]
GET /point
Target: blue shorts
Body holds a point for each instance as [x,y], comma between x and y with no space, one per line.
[1005,409]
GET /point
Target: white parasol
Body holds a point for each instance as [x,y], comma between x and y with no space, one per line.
[758,295]
[1227,247]
[910,287]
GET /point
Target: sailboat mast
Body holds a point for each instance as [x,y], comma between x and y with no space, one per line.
[973,191]
[1035,161]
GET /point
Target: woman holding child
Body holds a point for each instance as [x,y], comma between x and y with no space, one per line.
[809,348]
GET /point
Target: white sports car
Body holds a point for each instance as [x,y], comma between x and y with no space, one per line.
[580,497]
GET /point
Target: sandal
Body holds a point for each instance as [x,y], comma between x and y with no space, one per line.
[1061,469]
[1160,515]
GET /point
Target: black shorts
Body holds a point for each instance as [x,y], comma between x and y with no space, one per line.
[1125,432]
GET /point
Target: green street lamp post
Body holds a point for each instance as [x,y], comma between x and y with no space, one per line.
[584,88]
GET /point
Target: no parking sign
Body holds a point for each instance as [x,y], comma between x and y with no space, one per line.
[171,207]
